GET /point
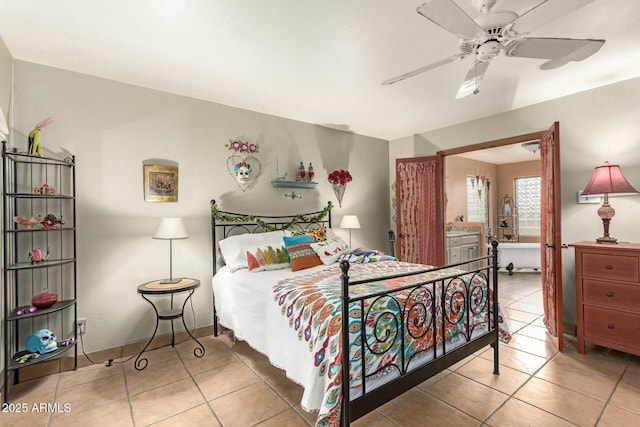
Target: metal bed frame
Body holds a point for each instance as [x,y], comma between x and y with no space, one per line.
[422,315]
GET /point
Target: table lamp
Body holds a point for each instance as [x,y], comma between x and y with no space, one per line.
[350,222]
[170,229]
[608,180]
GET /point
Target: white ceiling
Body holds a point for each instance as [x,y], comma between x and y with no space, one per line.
[315,61]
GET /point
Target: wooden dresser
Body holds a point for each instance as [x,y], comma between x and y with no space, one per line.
[608,295]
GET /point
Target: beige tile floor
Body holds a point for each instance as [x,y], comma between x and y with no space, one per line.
[235,386]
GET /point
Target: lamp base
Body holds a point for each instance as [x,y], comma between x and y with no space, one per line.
[607,240]
[171,281]
[606,212]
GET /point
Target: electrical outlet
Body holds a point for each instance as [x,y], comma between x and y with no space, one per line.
[81,326]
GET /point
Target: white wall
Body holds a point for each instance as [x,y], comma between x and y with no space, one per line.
[6,81]
[113,127]
[6,78]
[595,126]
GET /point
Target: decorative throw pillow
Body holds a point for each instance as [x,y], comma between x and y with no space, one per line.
[233,248]
[330,250]
[267,258]
[294,240]
[364,255]
[319,234]
[301,254]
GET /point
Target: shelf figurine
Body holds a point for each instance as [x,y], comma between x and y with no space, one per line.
[28,222]
[44,190]
[310,173]
[35,145]
[38,256]
[279,177]
[52,221]
[42,341]
[301,172]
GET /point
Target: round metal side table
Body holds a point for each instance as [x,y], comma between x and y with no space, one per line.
[159,287]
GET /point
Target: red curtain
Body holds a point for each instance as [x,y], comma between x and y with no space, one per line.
[417,201]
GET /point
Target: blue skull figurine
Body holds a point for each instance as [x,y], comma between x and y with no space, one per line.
[42,341]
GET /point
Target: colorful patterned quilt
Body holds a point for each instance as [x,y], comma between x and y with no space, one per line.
[312,305]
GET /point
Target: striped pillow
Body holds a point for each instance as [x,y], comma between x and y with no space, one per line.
[300,251]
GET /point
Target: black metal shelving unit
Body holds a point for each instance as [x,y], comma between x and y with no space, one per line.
[25,277]
[507,227]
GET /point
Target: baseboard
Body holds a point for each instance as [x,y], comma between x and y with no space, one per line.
[570,329]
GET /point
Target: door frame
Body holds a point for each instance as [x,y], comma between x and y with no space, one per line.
[518,139]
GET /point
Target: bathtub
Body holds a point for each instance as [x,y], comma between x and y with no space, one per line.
[519,255]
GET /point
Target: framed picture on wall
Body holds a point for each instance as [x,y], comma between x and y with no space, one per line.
[160,183]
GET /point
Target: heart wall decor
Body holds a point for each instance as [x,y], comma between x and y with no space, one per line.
[244,170]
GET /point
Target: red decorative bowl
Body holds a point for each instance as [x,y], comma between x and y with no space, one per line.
[44,300]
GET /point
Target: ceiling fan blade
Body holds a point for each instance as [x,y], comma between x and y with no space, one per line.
[448,15]
[543,13]
[471,81]
[558,51]
[425,68]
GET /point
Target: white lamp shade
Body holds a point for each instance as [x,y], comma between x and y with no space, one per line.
[170,228]
[350,221]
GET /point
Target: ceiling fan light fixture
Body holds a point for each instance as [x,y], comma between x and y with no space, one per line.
[488,50]
[532,146]
[487,35]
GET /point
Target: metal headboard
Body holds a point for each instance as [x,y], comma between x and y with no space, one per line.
[226,223]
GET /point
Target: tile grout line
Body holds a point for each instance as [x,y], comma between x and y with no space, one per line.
[615,388]
[531,375]
[472,379]
[55,394]
[206,402]
[263,379]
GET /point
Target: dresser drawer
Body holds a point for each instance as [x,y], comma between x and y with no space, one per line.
[614,295]
[612,326]
[454,241]
[613,267]
[471,239]
[455,255]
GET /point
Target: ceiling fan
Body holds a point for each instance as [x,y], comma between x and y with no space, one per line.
[505,31]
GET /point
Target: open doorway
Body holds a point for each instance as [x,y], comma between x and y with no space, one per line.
[550,234]
[495,194]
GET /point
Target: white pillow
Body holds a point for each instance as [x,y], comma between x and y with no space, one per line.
[330,250]
[234,248]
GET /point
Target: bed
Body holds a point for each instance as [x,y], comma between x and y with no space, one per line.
[407,322]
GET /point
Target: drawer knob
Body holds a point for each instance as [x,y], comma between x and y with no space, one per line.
[608,267]
[609,294]
[610,326]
